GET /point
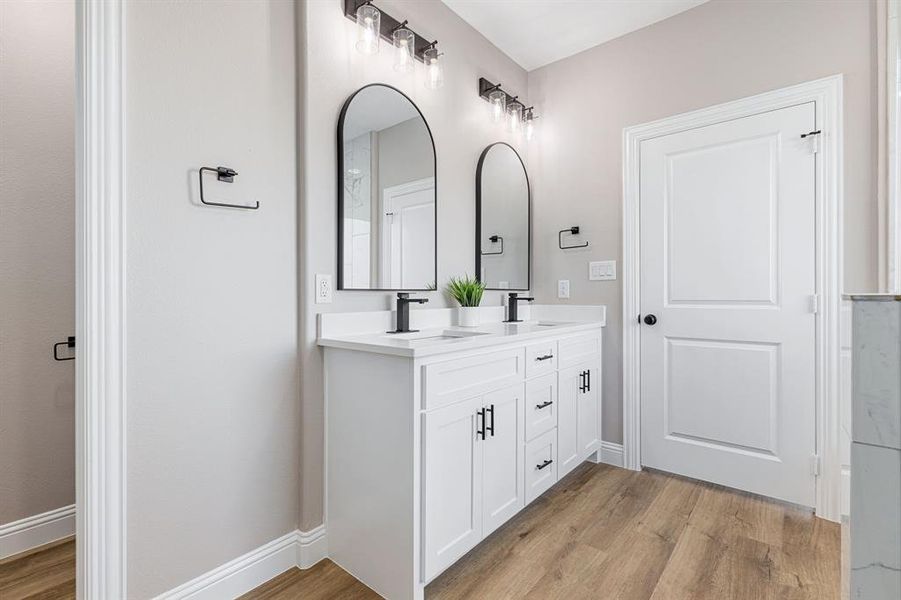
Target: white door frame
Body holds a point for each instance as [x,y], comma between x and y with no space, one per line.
[827,95]
[100,300]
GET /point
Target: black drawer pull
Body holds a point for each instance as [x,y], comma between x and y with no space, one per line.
[544,404]
[544,464]
[490,427]
[480,429]
[545,357]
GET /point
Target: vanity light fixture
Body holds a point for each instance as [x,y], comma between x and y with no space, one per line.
[404,42]
[505,106]
[368,20]
[373,24]
[432,59]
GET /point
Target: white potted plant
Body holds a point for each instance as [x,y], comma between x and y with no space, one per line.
[468,292]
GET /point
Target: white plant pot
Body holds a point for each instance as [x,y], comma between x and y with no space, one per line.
[468,316]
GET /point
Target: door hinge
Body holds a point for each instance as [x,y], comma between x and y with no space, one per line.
[814,303]
[814,138]
[815,465]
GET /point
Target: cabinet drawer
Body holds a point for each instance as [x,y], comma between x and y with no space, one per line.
[541,464]
[541,358]
[541,405]
[453,380]
[578,349]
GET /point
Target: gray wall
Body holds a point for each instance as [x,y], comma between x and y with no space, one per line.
[720,51]
[458,118]
[37,261]
[213,387]
[405,155]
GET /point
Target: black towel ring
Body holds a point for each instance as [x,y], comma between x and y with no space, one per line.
[572,231]
[495,239]
[225,175]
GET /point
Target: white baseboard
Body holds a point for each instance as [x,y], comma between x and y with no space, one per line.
[301,549]
[312,547]
[612,454]
[33,532]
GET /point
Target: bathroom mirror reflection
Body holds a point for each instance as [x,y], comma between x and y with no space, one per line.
[502,219]
[386,182]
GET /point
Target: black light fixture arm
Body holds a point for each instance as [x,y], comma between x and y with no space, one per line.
[388,25]
[486,87]
[571,231]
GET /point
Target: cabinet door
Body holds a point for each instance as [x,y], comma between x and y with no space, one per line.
[452,477]
[502,457]
[568,419]
[589,411]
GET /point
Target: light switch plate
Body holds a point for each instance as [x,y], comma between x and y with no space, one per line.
[602,270]
[323,288]
[563,288]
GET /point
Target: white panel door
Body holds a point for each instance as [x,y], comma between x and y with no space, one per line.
[408,249]
[502,457]
[728,270]
[453,483]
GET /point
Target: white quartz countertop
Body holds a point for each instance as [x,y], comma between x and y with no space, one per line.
[435,338]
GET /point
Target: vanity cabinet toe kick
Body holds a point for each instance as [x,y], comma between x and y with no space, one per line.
[428,456]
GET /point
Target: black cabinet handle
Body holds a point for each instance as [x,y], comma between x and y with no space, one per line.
[544,404]
[582,382]
[490,427]
[545,357]
[588,380]
[480,432]
[544,464]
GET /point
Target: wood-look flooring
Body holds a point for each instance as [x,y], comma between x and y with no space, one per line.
[610,534]
[48,574]
[602,533]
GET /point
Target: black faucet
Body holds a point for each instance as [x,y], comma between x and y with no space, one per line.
[513,304]
[403,312]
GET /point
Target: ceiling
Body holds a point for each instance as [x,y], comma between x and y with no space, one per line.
[538,32]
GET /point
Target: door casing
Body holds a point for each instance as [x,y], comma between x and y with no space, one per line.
[826,94]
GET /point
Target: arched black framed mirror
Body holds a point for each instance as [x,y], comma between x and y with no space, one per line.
[503,219]
[387,194]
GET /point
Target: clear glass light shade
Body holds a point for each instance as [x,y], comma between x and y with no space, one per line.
[434,68]
[404,42]
[368,26]
[498,101]
[514,117]
[529,126]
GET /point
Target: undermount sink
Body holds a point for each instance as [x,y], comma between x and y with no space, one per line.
[432,337]
[540,324]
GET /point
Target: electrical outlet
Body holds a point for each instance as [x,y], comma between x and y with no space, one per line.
[602,270]
[563,288]
[323,288]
